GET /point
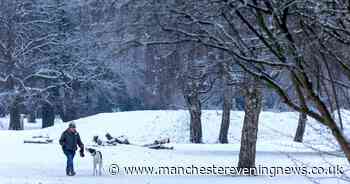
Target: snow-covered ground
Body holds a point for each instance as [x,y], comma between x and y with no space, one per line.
[45,163]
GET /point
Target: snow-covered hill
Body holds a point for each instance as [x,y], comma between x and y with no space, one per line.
[146,126]
[32,163]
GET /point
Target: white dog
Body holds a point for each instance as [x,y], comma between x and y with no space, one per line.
[97,158]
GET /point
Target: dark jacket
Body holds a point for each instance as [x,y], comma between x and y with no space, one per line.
[69,140]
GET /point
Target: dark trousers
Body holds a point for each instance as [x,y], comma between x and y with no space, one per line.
[70,156]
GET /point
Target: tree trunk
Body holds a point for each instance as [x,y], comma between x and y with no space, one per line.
[225,121]
[61,112]
[15,116]
[67,112]
[342,141]
[194,106]
[48,115]
[299,134]
[253,103]
[32,116]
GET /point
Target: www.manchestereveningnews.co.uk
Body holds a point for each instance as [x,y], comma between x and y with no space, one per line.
[214,170]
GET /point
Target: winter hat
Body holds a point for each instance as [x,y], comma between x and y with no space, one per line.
[72,125]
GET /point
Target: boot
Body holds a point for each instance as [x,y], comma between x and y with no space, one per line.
[67,171]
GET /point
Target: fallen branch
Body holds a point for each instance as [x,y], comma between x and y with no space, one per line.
[120,140]
[48,141]
[112,141]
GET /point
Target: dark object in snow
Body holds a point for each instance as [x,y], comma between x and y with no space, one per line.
[40,136]
[120,140]
[97,140]
[108,136]
[47,141]
[162,141]
[157,144]
[39,140]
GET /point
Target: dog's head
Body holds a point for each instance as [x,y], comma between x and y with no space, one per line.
[91,151]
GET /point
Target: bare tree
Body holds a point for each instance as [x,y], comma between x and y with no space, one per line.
[285,31]
[21,40]
[196,81]
[252,109]
[299,134]
[15,116]
[227,104]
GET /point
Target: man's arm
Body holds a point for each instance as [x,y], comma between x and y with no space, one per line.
[62,139]
[80,143]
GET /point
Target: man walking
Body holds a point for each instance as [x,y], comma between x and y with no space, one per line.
[69,141]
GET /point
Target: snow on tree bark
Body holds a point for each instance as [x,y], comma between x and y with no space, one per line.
[195,109]
[48,115]
[252,109]
[299,134]
[227,104]
[15,116]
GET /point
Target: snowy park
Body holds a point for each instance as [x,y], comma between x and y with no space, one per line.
[174,91]
[45,163]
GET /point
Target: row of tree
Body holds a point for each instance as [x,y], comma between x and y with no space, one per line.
[297,49]
[77,58]
[51,62]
